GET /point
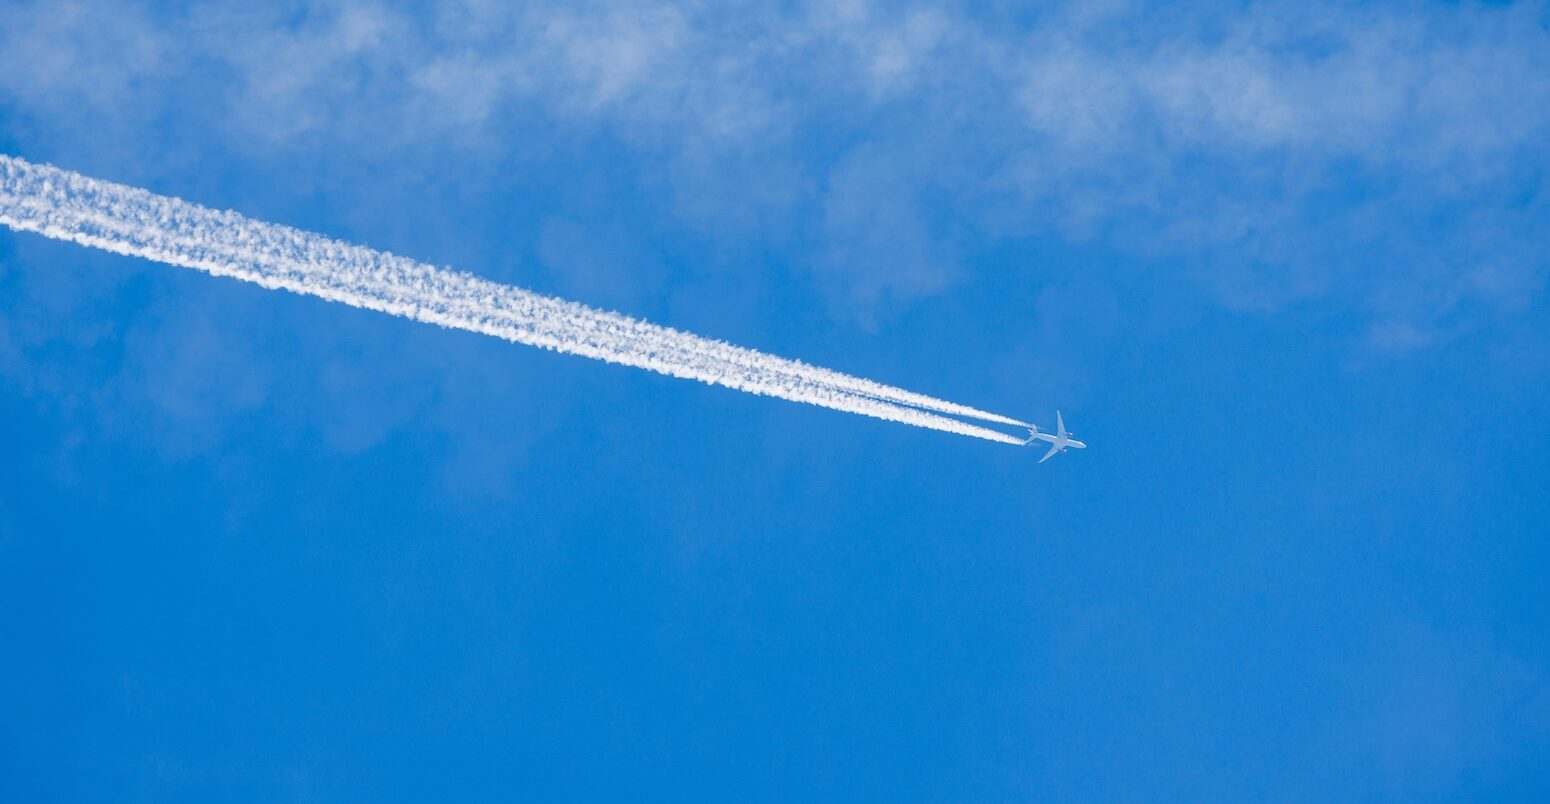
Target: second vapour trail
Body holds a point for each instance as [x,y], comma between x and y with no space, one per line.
[127,220]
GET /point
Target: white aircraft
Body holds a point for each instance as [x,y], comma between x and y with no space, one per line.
[1058,442]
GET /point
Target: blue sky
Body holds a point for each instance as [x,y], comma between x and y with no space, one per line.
[1281,265]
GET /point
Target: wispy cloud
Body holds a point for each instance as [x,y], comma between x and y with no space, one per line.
[1288,151]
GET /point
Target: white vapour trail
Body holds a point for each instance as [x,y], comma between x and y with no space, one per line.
[127,220]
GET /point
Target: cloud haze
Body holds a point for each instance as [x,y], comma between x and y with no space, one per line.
[1264,145]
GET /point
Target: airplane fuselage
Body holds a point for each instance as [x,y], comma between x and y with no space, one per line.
[1058,441]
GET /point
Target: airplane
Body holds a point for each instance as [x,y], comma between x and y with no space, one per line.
[1058,442]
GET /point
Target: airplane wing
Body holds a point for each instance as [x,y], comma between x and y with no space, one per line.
[1053,448]
[1060,424]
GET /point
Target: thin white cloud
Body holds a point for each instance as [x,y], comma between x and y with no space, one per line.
[1156,127]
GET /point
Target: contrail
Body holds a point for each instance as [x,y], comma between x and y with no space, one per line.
[131,221]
